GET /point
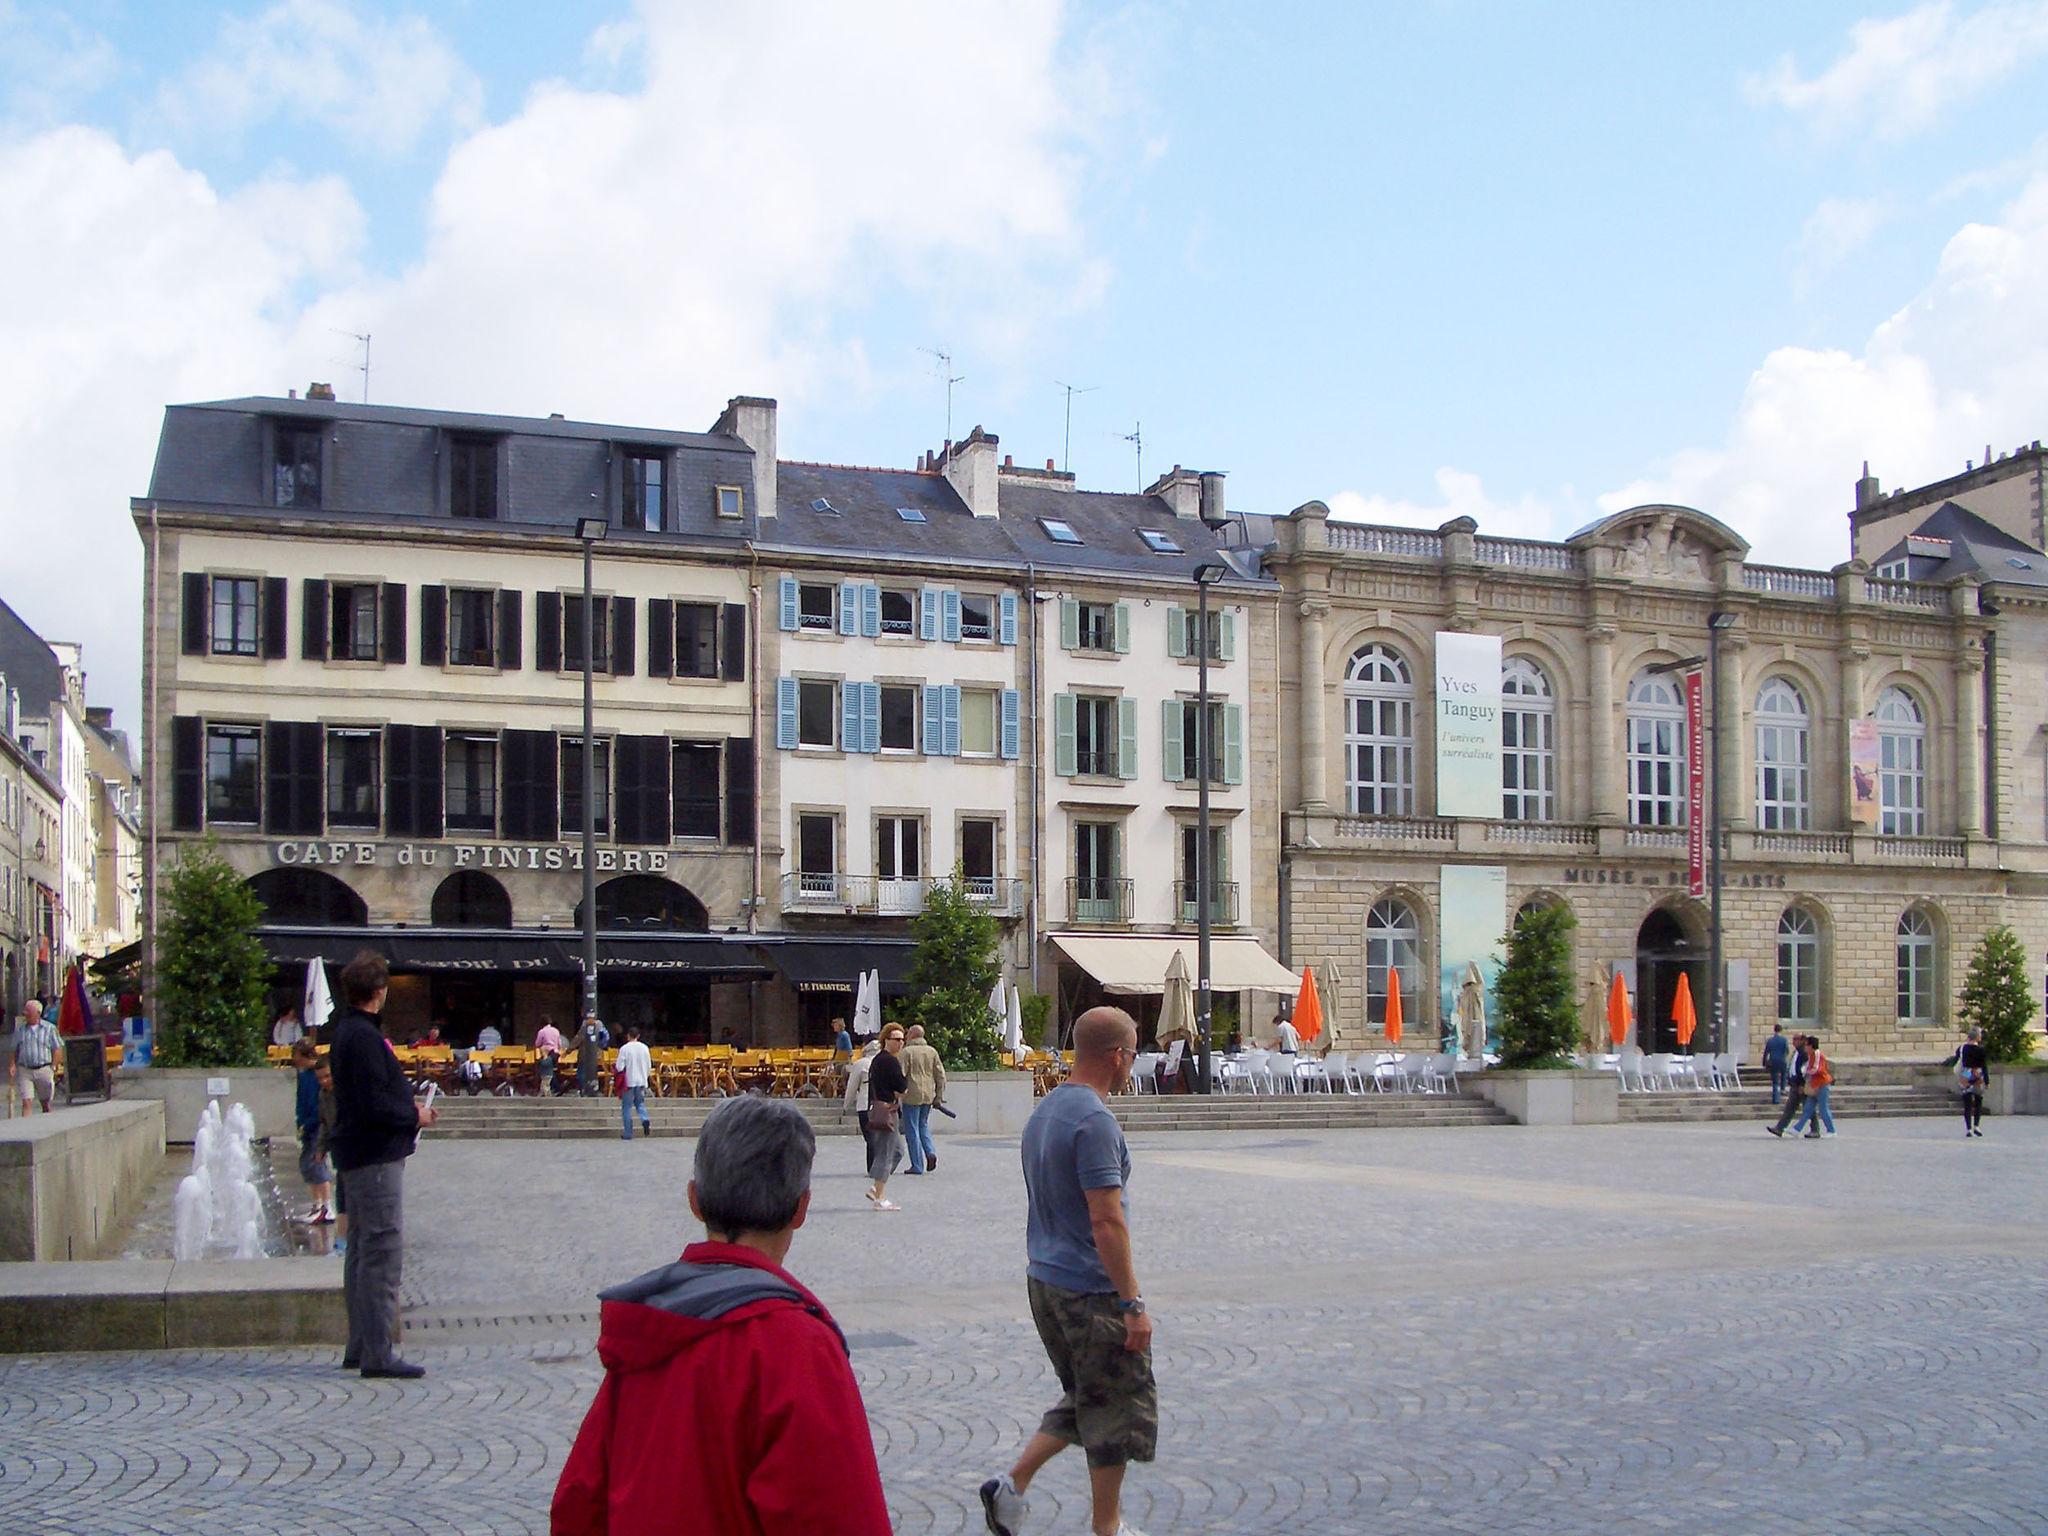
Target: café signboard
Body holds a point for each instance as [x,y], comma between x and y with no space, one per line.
[329,853]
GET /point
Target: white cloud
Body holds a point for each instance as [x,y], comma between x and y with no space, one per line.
[1958,367]
[1900,73]
[1835,230]
[48,60]
[1461,494]
[378,84]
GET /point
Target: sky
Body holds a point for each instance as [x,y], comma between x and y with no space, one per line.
[1530,264]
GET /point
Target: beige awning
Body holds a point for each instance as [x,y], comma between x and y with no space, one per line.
[1130,962]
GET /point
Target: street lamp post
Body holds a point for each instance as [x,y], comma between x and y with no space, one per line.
[1716,623]
[589,530]
[1207,575]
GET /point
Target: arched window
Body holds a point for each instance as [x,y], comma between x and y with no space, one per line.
[1528,742]
[1798,967]
[1902,765]
[308,898]
[647,901]
[1918,962]
[1656,751]
[1379,733]
[471,899]
[1393,942]
[1784,798]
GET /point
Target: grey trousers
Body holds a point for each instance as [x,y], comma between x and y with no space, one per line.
[370,1268]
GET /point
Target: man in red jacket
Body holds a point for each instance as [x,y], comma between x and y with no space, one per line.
[728,1404]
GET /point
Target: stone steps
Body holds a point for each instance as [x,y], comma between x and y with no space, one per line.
[1308,1111]
[1856,1101]
[493,1118]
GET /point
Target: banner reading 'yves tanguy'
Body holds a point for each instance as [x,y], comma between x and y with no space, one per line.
[1468,725]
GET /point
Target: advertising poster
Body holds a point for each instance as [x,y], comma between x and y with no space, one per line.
[1473,901]
[1468,725]
[1863,765]
[1695,791]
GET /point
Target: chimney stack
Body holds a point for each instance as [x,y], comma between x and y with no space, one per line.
[1214,513]
[751,419]
[319,391]
[1181,490]
[970,467]
[1867,492]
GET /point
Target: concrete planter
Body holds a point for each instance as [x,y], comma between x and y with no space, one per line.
[988,1103]
[65,1178]
[1564,1097]
[270,1092]
[2017,1091]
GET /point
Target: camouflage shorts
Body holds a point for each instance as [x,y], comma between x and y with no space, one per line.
[1109,1405]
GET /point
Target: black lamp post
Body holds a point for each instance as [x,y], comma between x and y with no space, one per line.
[589,530]
[1207,575]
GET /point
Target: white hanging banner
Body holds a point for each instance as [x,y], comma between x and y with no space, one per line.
[1468,778]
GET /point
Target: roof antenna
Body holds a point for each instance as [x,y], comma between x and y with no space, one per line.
[951,378]
[362,338]
[1136,438]
[1067,453]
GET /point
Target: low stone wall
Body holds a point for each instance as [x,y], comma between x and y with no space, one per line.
[2017,1091]
[988,1103]
[270,1092]
[158,1304]
[66,1177]
[1550,1098]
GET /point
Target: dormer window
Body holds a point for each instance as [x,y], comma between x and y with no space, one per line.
[295,464]
[1159,543]
[1059,530]
[472,477]
[640,504]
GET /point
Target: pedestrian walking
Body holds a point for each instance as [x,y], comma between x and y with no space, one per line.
[547,1046]
[313,1169]
[35,1059]
[1777,1056]
[634,1066]
[324,1075]
[883,1127]
[1819,1078]
[1082,1281]
[1973,1072]
[1795,1087]
[589,1053]
[924,1085]
[376,1126]
[728,1403]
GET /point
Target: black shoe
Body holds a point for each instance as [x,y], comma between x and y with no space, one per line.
[397,1370]
[646,1129]
[931,1163]
[351,1363]
[1775,1131]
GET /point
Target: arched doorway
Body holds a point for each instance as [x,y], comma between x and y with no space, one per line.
[647,902]
[1665,950]
[307,898]
[471,899]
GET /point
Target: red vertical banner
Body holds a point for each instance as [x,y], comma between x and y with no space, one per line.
[1695,791]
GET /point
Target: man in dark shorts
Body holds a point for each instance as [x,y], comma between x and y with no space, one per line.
[1083,1284]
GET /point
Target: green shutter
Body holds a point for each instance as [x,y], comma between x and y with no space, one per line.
[1123,629]
[1228,650]
[1172,758]
[1063,735]
[1233,743]
[1070,624]
[1176,631]
[1127,738]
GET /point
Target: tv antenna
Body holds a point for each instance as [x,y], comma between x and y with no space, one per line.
[1136,438]
[1067,453]
[951,378]
[362,339]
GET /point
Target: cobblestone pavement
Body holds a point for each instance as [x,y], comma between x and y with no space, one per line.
[1501,1331]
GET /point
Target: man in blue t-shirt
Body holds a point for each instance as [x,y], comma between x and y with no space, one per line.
[1083,1283]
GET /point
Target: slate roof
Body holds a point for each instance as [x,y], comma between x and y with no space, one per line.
[1974,546]
[31,666]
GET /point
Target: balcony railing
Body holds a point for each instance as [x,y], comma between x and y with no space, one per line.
[874,896]
[1371,539]
[1923,850]
[1830,845]
[1222,901]
[1098,901]
[1101,763]
[1555,834]
[1402,829]
[1786,581]
[1529,554]
[1906,594]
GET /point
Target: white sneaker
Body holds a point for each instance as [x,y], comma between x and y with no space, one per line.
[1004,1507]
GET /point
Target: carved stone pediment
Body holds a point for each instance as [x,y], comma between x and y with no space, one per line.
[1666,544]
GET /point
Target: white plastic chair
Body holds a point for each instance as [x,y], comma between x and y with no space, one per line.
[1440,1073]
[1338,1067]
[1630,1067]
[1727,1074]
[1280,1072]
[1656,1070]
[1142,1080]
[1253,1068]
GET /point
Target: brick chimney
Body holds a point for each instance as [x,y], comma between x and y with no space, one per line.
[751,419]
[319,391]
[971,469]
[1181,490]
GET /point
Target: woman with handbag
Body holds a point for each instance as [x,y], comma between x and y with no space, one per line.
[885,1084]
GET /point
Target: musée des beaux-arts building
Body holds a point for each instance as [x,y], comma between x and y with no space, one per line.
[363,670]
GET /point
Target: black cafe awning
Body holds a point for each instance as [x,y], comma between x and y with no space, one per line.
[835,965]
[521,952]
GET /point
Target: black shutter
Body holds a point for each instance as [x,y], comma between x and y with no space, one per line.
[433,626]
[623,640]
[291,778]
[732,645]
[188,777]
[195,614]
[547,631]
[511,644]
[532,809]
[739,791]
[412,780]
[313,621]
[643,788]
[661,637]
[274,588]
[277,776]
[394,622]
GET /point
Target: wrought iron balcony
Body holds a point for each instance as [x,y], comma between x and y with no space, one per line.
[1098,901]
[1222,901]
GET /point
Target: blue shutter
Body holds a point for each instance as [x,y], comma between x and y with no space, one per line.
[849,717]
[1006,629]
[870,610]
[952,694]
[934,720]
[928,614]
[871,715]
[785,713]
[1013,723]
[789,603]
[849,607]
[949,616]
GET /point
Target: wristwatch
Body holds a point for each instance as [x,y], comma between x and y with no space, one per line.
[1132,1307]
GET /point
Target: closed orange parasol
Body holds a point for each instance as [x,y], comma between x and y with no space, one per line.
[1393,1007]
[1683,1019]
[1617,1011]
[1308,1007]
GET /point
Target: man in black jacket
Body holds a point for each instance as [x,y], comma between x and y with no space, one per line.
[376,1125]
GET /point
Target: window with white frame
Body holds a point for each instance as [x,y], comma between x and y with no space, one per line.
[1798,967]
[1096,742]
[817,854]
[234,616]
[1379,733]
[1393,945]
[1528,740]
[1902,766]
[1917,958]
[1656,751]
[1784,801]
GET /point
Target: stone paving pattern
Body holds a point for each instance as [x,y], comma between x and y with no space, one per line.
[1645,1328]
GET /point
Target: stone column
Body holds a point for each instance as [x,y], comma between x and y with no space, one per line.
[1606,777]
[1312,702]
[1969,743]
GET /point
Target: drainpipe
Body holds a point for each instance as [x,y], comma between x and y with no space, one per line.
[754,727]
[1032,772]
[154,758]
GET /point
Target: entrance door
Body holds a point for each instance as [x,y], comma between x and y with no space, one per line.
[1664,952]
